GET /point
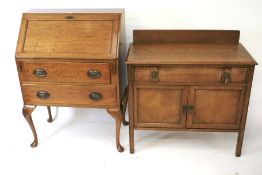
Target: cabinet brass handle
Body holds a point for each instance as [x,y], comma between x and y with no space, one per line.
[154,76]
[69,17]
[94,74]
[43,95]
[95,96]
[39,72]
[225,77]
[188,109]
[184,110]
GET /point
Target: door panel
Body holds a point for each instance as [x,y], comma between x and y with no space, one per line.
[215,107]
[160,106]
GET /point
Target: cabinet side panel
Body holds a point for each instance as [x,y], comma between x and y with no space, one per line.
[122,55]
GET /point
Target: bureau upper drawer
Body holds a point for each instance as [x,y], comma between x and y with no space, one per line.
[67,95]
[65,72]
[190,74]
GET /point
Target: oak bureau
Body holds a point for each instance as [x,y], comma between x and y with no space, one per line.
[195,80]
[72,58]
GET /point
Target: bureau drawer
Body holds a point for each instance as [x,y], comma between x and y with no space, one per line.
[190,75]
[65,72]
[68,95]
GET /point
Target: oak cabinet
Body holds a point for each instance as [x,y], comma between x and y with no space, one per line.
[193,80]
[72,58]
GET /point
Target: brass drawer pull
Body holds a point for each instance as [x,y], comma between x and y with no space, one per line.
[42,95]
[39,72]
[94,74]
[154,76]
[69,17]
[96,96]
[225,77]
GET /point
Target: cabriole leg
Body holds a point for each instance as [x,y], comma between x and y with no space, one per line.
[117,115]
[27,111]
[50,119]
[123,107]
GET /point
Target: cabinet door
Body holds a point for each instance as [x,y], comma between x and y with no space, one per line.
[215,107]
[159,106]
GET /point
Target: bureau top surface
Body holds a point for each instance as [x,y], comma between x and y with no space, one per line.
[174,53]
[70,33]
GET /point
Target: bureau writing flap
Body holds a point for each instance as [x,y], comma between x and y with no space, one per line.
[69,35]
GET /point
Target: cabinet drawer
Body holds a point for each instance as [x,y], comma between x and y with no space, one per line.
[189,74]
[95,96]
[65,72]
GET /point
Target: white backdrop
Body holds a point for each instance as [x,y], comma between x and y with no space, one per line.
[80,142]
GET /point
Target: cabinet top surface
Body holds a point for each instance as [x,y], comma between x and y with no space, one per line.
[113,10]
[174,53]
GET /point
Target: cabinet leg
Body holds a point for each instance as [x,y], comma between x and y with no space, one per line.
[239,143]
[50,119]
[117,115]
[123,107]
[27,111]
[131,140]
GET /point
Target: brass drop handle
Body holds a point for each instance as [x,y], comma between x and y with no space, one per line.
[95,96]
[69,17]
[184,110]
[225,77]
[154,76]
[190,109]
[43,95]
[39,72]
[94,74]
[187,109]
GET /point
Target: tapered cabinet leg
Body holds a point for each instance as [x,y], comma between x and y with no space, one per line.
[50,119]
[27,112]
[117,115]
[131,140]
[239,143]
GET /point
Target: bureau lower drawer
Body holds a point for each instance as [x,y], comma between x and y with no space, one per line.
[190,74]
[93,96]
[65,72]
